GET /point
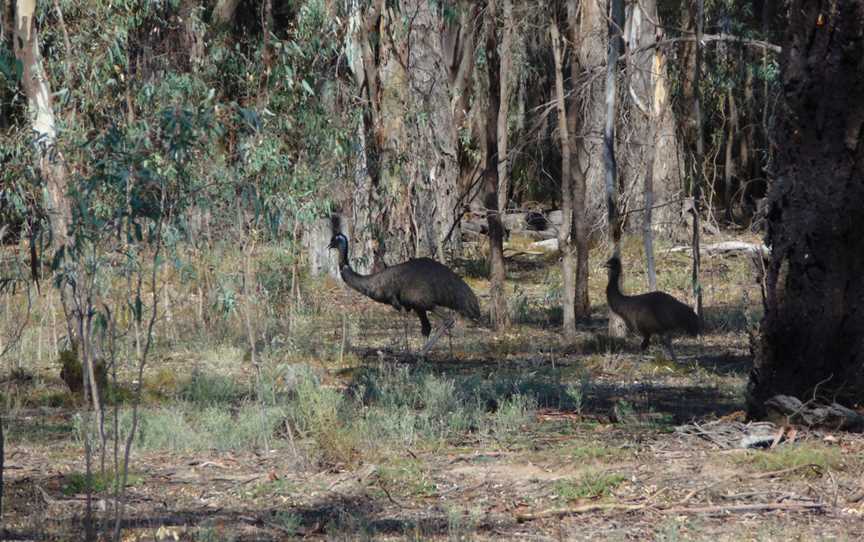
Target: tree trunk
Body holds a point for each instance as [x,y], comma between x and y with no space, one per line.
[409,194]
[499,315]
[51,165]
[223,13]
[581,303]
[696,185]
[652,147]
[565,233]
[813,328]
[616,26]
[589,35]
[506,79]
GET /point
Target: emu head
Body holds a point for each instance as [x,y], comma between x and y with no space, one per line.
[613,264]
[339,241]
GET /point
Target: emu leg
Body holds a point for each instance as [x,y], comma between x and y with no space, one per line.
[448,323]
[667,342]
[646,340]
[425,326]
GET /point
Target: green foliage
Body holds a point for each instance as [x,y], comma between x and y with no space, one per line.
[593,484]
[77,483]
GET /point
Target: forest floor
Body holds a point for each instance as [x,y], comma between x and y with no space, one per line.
[508,435]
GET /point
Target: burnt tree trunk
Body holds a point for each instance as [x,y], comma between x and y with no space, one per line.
[813,328]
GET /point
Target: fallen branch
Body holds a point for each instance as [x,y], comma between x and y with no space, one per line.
[728,247]
[812,414]
[719,509]
[560,512]
[756,507]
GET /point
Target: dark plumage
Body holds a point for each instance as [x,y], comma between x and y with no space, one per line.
[421,285]
[654,313]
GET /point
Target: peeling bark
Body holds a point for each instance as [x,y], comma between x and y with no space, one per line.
[50,162]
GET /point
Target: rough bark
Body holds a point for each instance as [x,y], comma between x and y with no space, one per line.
[498,313]
[813,329]
[616,26]
[405,204]
[50,162]
[589,35]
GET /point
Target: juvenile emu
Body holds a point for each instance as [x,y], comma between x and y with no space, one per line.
[418,285]
[654,313]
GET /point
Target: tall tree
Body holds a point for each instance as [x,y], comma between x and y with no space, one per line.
[565,236]
[575,122]
[50,163]
[505,85]
[813,328]
[699,169]
[499,315]
[616,30]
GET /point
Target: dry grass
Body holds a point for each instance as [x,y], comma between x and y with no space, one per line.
[339,432]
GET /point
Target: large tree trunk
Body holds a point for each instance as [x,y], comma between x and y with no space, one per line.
[51,165]
[813,329]
[409,193]
[499,315]
[589,36]
[651,152]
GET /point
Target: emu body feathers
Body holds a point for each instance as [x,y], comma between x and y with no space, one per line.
[421,285]
[654,313]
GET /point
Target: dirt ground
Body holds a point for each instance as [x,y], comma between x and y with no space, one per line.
[654,451]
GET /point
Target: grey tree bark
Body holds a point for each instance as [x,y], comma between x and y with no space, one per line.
[407,200]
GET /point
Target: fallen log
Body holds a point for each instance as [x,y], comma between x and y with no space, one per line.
[728,247]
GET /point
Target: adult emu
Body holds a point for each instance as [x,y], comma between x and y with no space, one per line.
[654,313]
[421,285]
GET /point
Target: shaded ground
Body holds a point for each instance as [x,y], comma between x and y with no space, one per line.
[621,445]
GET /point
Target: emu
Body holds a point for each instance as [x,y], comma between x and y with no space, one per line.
[654,313]
[421,285]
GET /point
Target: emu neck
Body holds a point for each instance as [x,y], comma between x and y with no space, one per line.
[613,290]
[355,280]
